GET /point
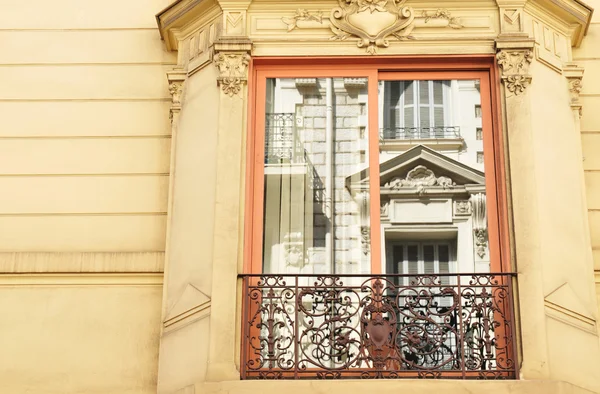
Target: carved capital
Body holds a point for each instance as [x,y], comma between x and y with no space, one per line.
[514,65]
[233,71]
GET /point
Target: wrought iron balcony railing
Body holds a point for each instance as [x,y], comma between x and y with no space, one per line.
[457,326]
[415,133]
[282,144]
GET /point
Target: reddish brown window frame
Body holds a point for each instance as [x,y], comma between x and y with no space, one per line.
[482,67]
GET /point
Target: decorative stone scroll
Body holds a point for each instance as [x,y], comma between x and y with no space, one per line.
[363,200]
[515,69]
[420,177]
[373,22]
[478,204]
[233,71]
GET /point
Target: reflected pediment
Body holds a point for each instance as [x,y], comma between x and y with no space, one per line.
[420,168]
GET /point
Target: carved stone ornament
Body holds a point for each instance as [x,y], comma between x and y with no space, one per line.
[420,177]
[302,15]
[233,69]
[462,208]
[575,87]
[478,203]
[293,250]
[372,22]
[441,13]
[515,69]
[176,89]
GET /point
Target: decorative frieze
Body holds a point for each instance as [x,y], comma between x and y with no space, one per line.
[372,22]
[514,64]
[233,71]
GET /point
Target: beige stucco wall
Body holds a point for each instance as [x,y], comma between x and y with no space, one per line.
[85,159]
[84,164]
[588,56]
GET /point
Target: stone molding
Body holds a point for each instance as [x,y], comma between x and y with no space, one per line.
[232,60]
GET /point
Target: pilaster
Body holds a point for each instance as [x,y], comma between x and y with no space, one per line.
[514,58]
[231,58]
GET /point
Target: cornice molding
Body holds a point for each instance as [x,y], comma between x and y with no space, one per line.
[173,20]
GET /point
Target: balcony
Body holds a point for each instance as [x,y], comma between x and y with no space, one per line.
[402,138]
[454,326]
[282,145]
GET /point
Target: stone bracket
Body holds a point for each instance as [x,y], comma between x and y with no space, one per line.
[574,75]
[176,78]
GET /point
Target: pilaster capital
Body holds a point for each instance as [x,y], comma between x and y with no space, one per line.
[232,58]
[514,58]
[574,75]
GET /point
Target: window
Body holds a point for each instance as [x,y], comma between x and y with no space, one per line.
[478,111]
[414,109]
[337,215]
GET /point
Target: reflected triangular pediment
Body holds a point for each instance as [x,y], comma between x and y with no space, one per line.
[420,165]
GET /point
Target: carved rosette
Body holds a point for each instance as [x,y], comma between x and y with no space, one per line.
[515,69]
[372,22]
[233,71]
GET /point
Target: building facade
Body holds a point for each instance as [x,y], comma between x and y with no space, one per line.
[208,196]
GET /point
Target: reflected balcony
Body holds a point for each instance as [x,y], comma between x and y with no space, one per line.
[403,138]
[450,326]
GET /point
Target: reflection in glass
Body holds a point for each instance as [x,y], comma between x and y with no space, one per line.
[433,196]
[316,209]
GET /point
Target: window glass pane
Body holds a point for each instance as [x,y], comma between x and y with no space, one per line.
[316,198]
[432,179]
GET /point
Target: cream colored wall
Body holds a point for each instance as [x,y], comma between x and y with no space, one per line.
[84,164]
[588,56]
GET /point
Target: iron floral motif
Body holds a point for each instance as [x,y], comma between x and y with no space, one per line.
[302,15]
[372,22]
[232,71]
[515,69]
[373,327]
[441,13]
